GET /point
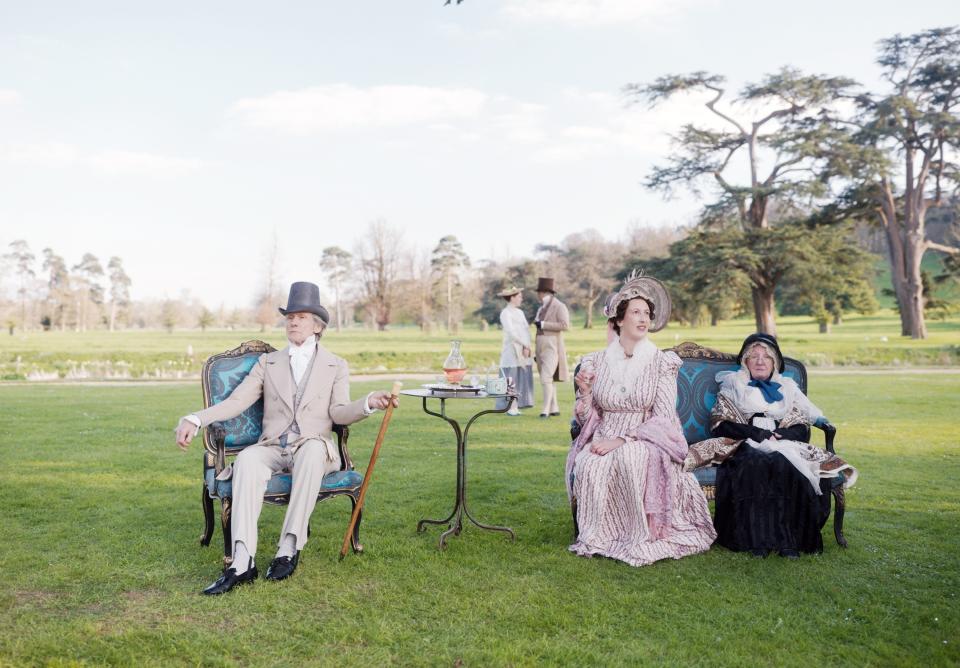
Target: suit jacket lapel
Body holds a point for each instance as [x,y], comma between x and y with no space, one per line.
[279,370]
[320,373]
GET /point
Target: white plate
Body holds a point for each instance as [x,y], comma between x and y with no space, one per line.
[447,387]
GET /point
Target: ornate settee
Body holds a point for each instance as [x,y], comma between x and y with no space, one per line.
[696,395]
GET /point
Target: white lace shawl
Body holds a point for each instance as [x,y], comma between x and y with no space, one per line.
[749,400]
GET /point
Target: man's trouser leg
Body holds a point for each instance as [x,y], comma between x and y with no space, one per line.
[312,461]
[547,361]
[251,472]
[549,397]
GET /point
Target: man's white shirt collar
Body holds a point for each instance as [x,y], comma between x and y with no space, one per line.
[305,350]
[300,356]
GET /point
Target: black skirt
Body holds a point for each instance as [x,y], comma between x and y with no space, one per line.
[764,503]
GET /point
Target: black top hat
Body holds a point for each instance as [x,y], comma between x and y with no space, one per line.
[305,298]
[545,285]
[767,339]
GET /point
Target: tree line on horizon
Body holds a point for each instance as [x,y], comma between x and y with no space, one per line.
[384,282]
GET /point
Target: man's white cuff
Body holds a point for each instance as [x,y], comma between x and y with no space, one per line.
[194,420]
[366,406]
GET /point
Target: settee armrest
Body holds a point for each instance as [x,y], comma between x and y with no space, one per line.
[829,431]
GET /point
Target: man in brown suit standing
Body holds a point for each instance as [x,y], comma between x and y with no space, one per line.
[552,320]
[305,390]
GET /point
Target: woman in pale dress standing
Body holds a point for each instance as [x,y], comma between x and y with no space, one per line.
[625,472]
[516,360]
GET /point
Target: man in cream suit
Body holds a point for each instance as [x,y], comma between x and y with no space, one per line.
[552,320]
[306,389]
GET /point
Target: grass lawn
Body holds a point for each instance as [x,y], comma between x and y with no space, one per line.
[100,561]
[861,340]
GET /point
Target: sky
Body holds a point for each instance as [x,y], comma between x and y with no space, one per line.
[184,137]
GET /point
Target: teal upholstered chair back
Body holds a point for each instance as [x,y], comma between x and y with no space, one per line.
[697,386]
[221,375]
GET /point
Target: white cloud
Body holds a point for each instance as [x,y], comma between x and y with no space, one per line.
[56,155]
[521,123]
[600,124]
[133,162]
[591,12]
[458,33]
[49,154]
[586,133]
[9,97]
[341,107]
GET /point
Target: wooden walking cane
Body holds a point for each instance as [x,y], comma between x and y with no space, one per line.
[394,393]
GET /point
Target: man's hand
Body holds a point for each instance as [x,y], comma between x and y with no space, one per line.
[185,432]
[525,351]
[381,399]
[584,380]
[606,445]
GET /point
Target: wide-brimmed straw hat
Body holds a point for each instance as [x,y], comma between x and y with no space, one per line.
[304,297]
[647,287]
[509,291]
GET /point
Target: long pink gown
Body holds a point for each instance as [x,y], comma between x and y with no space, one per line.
[635,503]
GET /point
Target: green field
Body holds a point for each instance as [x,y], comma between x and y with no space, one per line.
[860,341]
[101,565]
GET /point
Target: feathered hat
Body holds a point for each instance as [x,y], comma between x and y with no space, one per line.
[638,285]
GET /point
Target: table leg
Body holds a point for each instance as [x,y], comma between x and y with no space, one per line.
[457,507]
[466,510]
[460,506]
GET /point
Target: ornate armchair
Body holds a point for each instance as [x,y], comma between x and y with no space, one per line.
[220,376]
[696,395]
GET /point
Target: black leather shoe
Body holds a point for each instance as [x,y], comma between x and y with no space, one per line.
[789,554]
[283,567]
[543,416]
[230,579]
[555,414]
[758,553]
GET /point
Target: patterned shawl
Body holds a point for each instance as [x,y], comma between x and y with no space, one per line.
[716,450]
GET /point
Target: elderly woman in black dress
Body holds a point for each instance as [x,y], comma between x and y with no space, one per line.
[772,488]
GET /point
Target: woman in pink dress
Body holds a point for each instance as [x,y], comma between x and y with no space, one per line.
[633,500]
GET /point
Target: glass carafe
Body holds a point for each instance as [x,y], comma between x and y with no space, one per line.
[454,367]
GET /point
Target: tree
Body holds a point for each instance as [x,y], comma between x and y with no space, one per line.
[378,254]
[270,295]
[205,319]
[417,288]
[337,263]
[119,288]
[22,259]
[170,313]
[58,286]
[496,278]
[910,133]
[708,270]
[787,155]
[830,277]
[591,262]
[90,293]
[446,262]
